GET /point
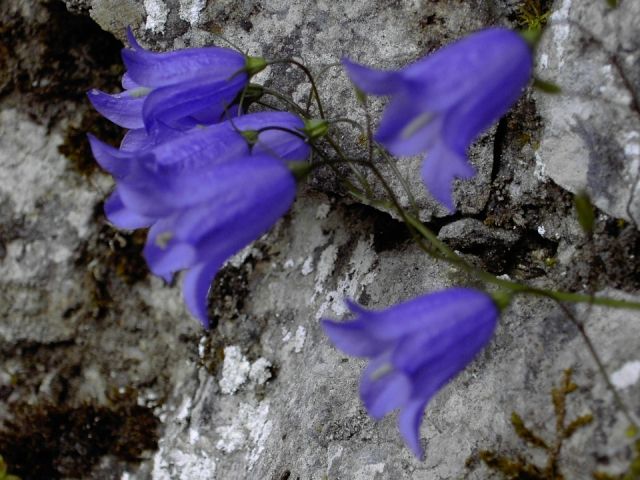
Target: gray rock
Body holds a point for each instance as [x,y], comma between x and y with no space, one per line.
[471,233]
[264,394]
[591,138]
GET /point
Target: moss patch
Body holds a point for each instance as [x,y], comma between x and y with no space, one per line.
[51,441]
[48,61]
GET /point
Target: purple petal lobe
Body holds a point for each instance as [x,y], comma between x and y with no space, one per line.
[409,422]
[369,80]
[440,169]
[382,388]
[123,109]
[353,339]
[111,159]
[132,40]
[173,103]
[196,286]
[169,68]
[121,216]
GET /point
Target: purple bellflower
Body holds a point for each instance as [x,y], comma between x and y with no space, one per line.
[441,103]
[414,348]
[179,89]
[205,193]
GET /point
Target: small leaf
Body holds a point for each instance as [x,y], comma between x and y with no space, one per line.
[525,434]
[631,431]
[585,212]
[581,421]
[546,86]
[613,3]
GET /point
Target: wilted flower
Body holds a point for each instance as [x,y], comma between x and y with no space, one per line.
[443,102]
[179,89]
[205,193]
[415,348]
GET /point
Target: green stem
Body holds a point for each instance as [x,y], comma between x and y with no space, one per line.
[600,364]
[307,72]
[287,100]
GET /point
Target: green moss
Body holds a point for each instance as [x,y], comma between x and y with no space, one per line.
[109,257]
[4,475]
[521,468]
[532,15]
[53,58]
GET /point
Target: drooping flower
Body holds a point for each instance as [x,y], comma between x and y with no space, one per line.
[253,193]
[205,193]
[414,348]
[441,103]
[179,89]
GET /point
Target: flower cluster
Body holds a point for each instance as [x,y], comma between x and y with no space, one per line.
[444,101]
[208,178]
[205,185]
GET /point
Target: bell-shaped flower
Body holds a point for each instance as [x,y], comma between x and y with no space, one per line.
[156,179]
[441,103]
[179,89]
[415,348]
[251,194]
[205,193]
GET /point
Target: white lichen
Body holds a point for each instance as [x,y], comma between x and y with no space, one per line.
[260,371]
[307,266]
[326,264]
[322,211]
[298,342]
[190,10]
[627,375]
[157,13]
[235,370]
[250,429]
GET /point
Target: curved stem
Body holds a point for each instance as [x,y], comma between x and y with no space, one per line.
[287,100]
[307,72]
[361,178]
[600,364]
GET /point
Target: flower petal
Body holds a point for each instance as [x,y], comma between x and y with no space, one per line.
[174,103]
[114,161]
[407,130]
[353,338]
[118,214]
[153,69]
[127,83]
[232,218]
[449,347]
[196,286]
[382,388]
[369,80]
[428,313]
[409,422]
[464,69]
[440,168]
[123,109]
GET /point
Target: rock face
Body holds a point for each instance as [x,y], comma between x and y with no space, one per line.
[591,135]
[87,333]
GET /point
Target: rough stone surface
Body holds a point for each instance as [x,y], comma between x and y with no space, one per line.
[591,137]
[264,395]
